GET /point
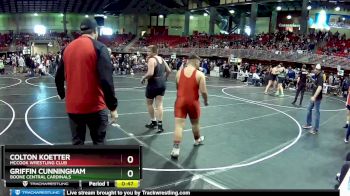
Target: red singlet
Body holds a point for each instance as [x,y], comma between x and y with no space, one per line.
[187,101]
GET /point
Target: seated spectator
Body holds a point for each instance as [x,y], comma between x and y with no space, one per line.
[256,80]
[42,69]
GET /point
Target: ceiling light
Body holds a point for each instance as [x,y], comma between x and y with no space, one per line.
[40,29]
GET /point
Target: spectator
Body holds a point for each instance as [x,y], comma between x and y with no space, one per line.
[331,79]
[14,63]
[21,64]
[225,70]
[256,79]
[345,86]
[2,66]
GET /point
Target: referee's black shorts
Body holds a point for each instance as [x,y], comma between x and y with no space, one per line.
[301,87]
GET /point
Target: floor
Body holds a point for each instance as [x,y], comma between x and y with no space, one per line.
[253,140]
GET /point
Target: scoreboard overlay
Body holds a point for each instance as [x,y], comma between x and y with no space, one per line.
[72,166]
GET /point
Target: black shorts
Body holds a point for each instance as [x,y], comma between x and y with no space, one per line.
[152,93]
[268,77]
[348,107]
[273,77]
[280,80]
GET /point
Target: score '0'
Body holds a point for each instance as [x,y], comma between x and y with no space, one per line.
[130,159]
[130,173]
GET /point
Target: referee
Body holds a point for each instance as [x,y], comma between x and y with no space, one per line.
[86,67]
[301,85]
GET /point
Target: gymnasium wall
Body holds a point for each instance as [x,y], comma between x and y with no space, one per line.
[44,49]
[262,25]
[121,24]
[174,22]
[40,49]
[52,21]
[126,23]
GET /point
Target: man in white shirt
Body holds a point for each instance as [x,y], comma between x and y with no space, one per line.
[38,59]
[256,79]
[21,64]
[2,65]
[14,63]
[330,79]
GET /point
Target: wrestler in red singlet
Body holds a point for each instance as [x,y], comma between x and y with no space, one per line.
[189,82]
[187,101]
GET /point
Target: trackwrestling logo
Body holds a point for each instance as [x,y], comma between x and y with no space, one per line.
[37,192]
[25,183]
[17,192]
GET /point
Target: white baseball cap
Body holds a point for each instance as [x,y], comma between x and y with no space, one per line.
[318,66]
